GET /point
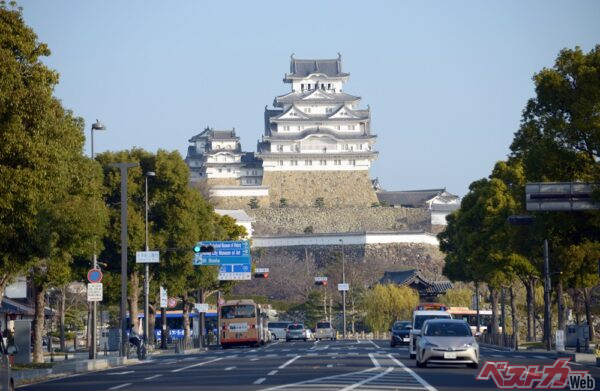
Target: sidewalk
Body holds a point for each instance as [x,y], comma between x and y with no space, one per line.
[79,363]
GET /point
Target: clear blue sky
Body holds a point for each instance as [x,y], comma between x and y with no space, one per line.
[446,80]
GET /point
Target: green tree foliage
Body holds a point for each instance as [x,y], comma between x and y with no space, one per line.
[385,304]
[457,297]
[253,203]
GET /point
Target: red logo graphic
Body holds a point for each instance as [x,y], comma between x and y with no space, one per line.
[559,375]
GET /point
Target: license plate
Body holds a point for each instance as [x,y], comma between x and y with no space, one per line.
[406,339]
[449,355]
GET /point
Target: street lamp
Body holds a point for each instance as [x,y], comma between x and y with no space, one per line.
[92,352]
[146,266]
[343,291]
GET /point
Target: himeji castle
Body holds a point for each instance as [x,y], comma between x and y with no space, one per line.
[317,144]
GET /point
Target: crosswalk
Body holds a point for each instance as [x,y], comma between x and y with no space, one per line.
[387,374]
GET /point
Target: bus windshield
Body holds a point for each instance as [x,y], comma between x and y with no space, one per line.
[238,311]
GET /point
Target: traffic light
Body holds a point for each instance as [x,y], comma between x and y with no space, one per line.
[321,281]
[261,272]
[203,249]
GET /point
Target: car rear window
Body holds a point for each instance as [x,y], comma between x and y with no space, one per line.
[295,327]
[278,325]
[323,325]
[400,326]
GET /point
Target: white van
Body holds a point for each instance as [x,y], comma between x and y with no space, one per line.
[419,317]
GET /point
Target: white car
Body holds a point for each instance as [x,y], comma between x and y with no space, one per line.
[419,317]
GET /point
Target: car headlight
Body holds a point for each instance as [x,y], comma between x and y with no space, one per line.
[469,345]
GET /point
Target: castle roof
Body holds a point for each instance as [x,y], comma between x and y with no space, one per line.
[415,279]
[314,96]
[349,114]
[213,134]
[302,68]
[408,198]
[319,131]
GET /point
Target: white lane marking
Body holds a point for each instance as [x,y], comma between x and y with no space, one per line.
[288,362]
[519,357]
[357,340]
[230,368]
[170,362]
[254,359]
[260,380]
[540,357]
[274,371]
[575,363]
[272,344]
[329,365]
[271,355]
[120,373]
[252,351]
[196,365]
[495,355]
[374,360]
[417,377]
[377,346]
[367,380]
[120,386]
[313,381]
[152,377]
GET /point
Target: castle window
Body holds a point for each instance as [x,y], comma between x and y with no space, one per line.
[300,127]
[329,109]
[307,109]
[360,146]
[302,86]
[229,170]
[337,162]
[352,162]
[280,148]
[281,162]
[286,127]
[294,162]
[220,170]
[323,162]
[350,127]
[308,86]
[322,86]
[308,162]
[328,86]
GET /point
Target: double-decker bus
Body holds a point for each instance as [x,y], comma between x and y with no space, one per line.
[470,316]
[243,322]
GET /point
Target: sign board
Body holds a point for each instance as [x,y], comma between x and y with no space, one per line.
[343,287]
[94,291]
[201,307]
[560,196]
[235,272]
[226,253]
[172,302]
[261,270]
[164,299]
[320,279]
[147,257]
[94,275]
[560,340]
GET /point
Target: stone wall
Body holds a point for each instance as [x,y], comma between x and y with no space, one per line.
[292,269]
[238,202]
[277,221]
[337,188]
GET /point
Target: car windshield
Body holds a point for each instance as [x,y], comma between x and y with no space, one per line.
[295,327]
[238,311]
[420,319]
[323,325]
[447,329]
[277,325]
[401,326]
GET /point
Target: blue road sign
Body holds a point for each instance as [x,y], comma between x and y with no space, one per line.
[226,253]
[234,269]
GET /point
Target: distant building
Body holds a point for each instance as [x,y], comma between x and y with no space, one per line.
[317,126]
[438,201]
[217,155]
[428,290]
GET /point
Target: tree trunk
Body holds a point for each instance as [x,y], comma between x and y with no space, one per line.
[560,300]
[530,305]
[353,312]
[533,314]
[151,323]
[186,318]
[134,298]
[513,315]
[588,311]
[503,313]
[61,309]
[38,323]
[3,282]
[494,300]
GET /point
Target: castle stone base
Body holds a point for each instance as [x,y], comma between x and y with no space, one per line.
[337,188]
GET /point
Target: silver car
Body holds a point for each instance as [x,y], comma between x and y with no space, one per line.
[447,341]
[277,329]
[295,331]
[325,330]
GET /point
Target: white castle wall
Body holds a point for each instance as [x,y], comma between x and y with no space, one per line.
[349,238]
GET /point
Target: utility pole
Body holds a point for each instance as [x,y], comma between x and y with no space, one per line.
[547,314]
[124,167]
[477,305]
[344,291]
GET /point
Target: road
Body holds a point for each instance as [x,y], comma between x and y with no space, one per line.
[324,365]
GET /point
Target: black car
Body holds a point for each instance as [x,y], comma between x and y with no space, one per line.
[400,332]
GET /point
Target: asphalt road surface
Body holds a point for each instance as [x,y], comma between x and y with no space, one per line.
[325,365]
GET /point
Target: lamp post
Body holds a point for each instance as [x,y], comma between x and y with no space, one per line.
[344,291]
[146,267]
[92,352]
[123,167]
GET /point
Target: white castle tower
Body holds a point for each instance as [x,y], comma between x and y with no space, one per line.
[318,141]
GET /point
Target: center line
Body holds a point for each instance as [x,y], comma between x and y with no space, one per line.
[375,362]
[230,368]
[272,372]
[196,365]
[260,380]
[120,386]
[152,377]
[285,364]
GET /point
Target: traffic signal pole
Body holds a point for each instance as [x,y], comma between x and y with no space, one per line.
[547,314]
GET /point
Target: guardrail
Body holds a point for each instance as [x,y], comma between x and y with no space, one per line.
[500,340]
